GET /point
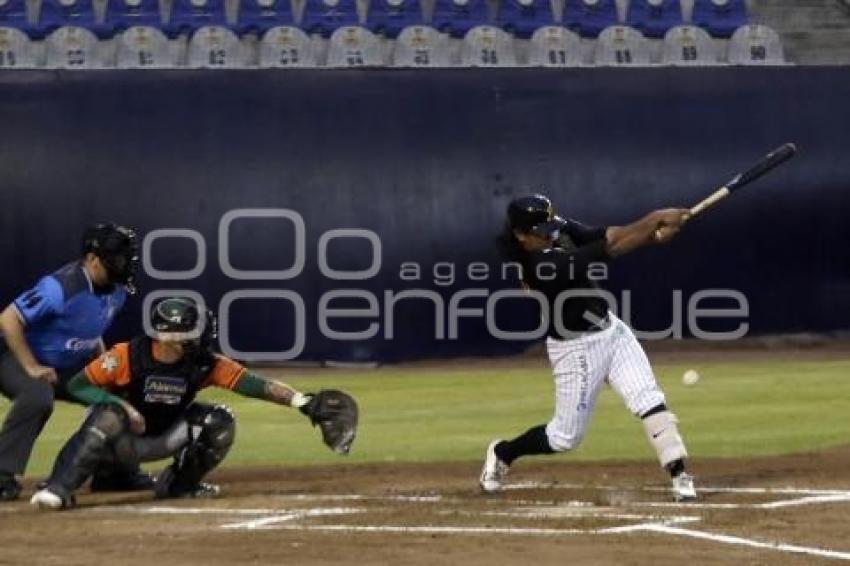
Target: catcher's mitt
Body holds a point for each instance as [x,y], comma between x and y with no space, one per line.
[335,412]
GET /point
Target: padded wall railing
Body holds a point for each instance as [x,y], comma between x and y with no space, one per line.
[428,162]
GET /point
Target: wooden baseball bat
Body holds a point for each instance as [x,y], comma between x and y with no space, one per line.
[767,163]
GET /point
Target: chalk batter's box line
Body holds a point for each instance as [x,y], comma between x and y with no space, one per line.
[787,490]
[670,526]
[281,519]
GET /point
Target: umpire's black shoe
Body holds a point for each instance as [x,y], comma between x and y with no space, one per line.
[167,486]
[114,480]
[10,488]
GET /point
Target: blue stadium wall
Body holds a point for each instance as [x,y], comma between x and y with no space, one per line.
[428,161]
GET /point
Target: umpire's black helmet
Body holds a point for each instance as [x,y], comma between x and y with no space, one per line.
[118,250]
[534,214]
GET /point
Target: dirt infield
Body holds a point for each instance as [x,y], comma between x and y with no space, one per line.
[779,510]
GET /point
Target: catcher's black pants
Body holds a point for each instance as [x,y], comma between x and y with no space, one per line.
[114,447]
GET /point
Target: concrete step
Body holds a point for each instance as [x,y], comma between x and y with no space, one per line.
[803,18]
[817,48]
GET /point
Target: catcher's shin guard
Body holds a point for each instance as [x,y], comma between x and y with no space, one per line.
[212,431]
[90,446]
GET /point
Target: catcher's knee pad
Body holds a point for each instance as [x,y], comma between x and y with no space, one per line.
[108,419]
[91,445]
[212,432]
[663,435]
[213,426]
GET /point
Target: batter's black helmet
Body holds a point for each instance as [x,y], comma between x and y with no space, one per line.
[534,214]
[118,250]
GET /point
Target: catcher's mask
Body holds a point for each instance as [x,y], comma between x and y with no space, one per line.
[180,319]
[118,250]
[534,215]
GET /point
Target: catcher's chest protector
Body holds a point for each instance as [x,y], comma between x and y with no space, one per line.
[160,392]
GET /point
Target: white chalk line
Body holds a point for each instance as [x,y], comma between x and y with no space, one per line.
[432,529]
[640,526]
[162,510]
[555,513]
[815,499]
[287,519]
[808,500]
[735,540]
[267,522]
[666,527]
[700,488]
[359,497]
[472,530]
[820,496]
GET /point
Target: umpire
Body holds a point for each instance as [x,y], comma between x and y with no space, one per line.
[51,331]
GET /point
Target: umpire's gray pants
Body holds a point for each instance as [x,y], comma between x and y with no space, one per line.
[32,405]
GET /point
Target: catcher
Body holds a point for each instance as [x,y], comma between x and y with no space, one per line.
[142,408]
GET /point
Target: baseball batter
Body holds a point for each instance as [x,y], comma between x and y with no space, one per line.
[587,344]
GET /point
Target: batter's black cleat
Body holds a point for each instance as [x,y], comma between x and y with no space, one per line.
[167,486]
[119,480]
[10,488]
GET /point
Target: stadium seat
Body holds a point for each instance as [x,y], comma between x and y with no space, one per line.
[523,17]
[354,46]
[190,15]
[55,14]
[216,47]
[16,50]
[457,17]
[654,17]
[13,14]
[124,14]
[487,46]
[720,17]
[258,16]
[145,47]
[689,45]
[323,17]
[755,45]
[73,47]
[389,17]
[421,46]
[621,45]
[590,17]
[286,46]
[555,46]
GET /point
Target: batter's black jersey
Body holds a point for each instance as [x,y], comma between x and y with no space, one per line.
[561,274]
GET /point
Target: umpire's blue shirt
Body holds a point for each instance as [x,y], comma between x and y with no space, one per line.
[64,316]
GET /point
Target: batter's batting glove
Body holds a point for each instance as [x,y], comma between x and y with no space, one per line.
[335,412]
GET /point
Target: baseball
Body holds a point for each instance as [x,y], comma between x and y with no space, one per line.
[690,377]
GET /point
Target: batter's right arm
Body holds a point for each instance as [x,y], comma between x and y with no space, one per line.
[657,227]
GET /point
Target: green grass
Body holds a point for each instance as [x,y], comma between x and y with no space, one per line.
[737,409]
